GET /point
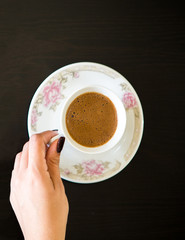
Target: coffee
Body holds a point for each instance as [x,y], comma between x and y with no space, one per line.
[91,119]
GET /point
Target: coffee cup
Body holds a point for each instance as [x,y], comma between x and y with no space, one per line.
[92,119]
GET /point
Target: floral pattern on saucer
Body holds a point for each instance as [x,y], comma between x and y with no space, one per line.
[51,95]
[129,100]
[77,167]
[90,170]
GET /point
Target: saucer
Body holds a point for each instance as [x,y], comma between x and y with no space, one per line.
[44,112]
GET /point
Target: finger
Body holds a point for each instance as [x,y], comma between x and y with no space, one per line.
[17,161]
[37,148]
[24,156]
[52,160]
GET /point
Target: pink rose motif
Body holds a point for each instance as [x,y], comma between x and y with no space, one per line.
[76,75]
[93,168]
[34,117]
[52,93]
[129,100]
[66,171]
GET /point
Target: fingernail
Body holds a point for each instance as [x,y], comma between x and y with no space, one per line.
[60,144]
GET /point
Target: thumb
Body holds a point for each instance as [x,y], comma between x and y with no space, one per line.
[53,157]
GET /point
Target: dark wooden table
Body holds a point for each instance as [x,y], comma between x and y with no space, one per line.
[145,42]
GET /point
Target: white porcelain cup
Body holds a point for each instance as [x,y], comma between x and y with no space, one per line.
[121,120]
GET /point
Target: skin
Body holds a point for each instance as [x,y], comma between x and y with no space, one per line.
[37,193]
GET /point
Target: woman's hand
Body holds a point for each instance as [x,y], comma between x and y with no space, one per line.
[37,193]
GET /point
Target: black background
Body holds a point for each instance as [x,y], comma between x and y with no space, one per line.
[145,42]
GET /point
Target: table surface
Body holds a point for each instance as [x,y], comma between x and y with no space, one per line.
[145,42]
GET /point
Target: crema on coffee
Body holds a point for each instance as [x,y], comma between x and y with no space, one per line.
[91,119]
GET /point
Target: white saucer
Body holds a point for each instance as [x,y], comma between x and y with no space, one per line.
[44,110]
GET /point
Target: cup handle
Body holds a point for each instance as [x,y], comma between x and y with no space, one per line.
[55,138]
